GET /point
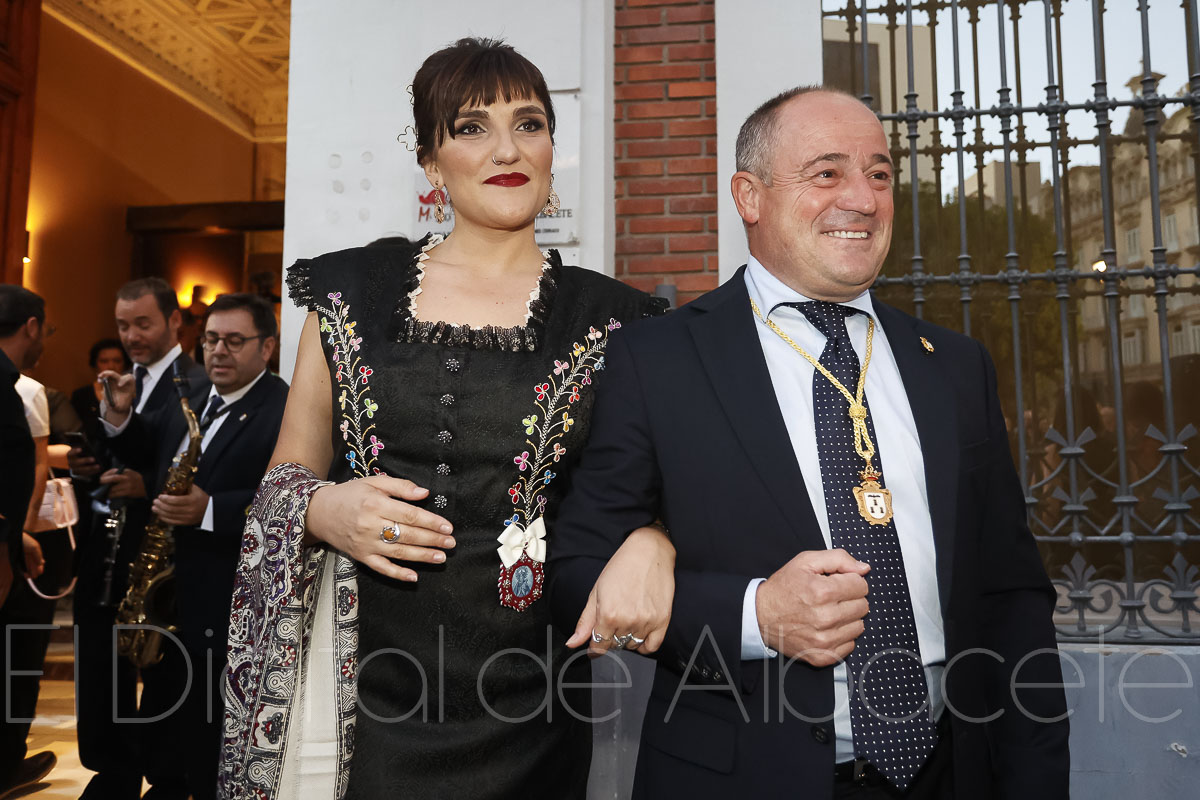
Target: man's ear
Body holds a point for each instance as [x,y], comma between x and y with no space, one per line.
[747,192]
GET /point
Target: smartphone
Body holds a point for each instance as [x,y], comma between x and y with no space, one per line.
[78,439]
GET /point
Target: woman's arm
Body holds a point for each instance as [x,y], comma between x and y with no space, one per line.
[350,516]
[41,470]
[304,433]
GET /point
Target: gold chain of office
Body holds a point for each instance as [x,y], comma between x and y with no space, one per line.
[858,410]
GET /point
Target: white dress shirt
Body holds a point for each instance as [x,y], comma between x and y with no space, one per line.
[153,373]
[899,455]
[207,523]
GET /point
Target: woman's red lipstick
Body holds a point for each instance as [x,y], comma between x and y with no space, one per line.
[509,179]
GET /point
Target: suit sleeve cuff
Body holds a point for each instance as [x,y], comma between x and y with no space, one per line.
[753,646]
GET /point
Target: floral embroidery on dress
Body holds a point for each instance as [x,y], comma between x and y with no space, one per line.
[523,543]
[358,415]
[353,377]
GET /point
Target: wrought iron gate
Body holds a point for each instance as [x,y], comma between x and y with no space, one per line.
[1096,337]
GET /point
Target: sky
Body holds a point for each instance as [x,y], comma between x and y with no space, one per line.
[1123,55]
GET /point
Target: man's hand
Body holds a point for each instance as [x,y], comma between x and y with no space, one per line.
[81,464]
[35,562]
[812,608]
[124,390]
[182,509]
[127,483]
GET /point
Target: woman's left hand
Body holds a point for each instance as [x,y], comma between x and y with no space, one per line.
[631,601]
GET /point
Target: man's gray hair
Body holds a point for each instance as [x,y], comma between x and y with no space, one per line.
[756,140]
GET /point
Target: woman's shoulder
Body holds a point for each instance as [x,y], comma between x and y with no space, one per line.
[595,291]
[351,270]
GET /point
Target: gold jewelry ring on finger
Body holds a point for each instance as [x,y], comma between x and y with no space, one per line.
[636,641]
[623,640]
[597,638]
[390,533]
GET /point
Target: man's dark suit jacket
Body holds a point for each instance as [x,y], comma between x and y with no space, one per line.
[686,429]
[229,470]
[17,463]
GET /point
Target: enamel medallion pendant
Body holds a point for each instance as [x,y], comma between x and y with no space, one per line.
[874,502]
[521,583]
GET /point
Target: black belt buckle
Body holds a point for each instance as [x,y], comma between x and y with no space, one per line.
[856,771]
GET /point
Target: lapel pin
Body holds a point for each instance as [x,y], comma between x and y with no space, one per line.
[927,345]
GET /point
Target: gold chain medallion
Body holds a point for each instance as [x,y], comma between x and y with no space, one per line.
[874,502]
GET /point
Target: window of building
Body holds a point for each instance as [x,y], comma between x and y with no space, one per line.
[1170,232]
[1133,244]
[1133,348]
[1179,342]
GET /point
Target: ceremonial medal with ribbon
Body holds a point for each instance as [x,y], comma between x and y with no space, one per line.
[874,502]
[522,554]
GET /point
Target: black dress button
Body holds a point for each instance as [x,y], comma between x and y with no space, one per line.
[445,437]
[439,501]
[820,734]
[447,399]
[452,364]
[443,469]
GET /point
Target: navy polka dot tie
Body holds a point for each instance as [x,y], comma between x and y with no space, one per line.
[889,699]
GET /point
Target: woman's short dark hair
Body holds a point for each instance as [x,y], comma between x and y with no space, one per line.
[101,346]
[471,72]
[259,309]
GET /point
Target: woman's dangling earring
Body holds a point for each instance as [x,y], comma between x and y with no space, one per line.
[552,202]
[439,210]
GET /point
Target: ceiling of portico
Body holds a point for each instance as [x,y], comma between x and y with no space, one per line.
[228,57]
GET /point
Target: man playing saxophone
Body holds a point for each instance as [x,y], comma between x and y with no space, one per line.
[237,421]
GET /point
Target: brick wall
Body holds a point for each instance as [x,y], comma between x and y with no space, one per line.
[665,150]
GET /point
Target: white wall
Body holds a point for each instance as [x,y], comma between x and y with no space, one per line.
[763,48]
[350,181]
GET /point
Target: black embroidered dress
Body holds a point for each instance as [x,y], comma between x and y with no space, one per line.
[458,674]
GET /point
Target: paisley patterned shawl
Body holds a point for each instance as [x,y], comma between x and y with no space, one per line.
[271,618]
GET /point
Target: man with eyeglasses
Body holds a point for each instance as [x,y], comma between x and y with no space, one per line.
[239,414]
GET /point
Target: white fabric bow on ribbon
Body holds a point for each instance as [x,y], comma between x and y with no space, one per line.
[516,540]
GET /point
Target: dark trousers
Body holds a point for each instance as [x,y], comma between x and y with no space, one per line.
[105,695]
[203,720]
[24,652]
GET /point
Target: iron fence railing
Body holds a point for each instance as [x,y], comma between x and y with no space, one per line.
[1099,432]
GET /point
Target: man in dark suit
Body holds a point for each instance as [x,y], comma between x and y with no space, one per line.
[859,605]
[22,650]
[148,320]
[238,417]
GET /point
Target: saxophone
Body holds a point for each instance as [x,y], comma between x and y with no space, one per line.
[148,608]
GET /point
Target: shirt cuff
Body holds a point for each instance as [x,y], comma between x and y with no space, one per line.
[753,646]
[111,430]
[206,524]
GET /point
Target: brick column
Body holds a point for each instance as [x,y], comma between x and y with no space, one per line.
[665,145]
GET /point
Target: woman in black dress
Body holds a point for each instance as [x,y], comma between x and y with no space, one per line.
[387,636]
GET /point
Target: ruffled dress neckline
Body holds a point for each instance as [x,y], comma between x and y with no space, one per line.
[518,338]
